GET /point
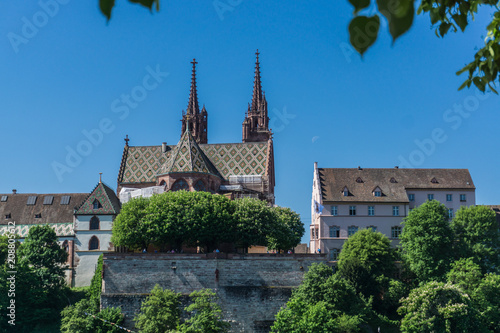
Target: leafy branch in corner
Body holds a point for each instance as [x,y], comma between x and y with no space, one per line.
[106,6]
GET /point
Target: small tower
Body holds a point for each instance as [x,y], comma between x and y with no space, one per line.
[197,120]
[256,123]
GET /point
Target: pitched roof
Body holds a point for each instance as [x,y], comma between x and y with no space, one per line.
[106,196]
[141,164]
[188,157]
[16,205]
[392,182]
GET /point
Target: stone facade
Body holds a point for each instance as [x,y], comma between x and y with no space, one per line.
[251,288]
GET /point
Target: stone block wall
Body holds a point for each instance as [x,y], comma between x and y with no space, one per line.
[251,287]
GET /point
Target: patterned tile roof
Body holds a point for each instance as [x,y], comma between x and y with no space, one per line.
[107,198]
[141,164]
[188,157]
[392,182]
[61,229]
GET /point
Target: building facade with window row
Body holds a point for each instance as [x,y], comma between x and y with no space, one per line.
[347,200]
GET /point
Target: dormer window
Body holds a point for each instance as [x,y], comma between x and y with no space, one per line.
[359,180]
[434,180]
[38,216]
[345,192]
[393,180]
[377,192]
[8,216]
[96,204]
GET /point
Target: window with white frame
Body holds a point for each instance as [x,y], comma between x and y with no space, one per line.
[346,192]
[335,211]
[334,231]
[352,210]
[430,197]
[411,197]
[449,197]
[395,210]
[377,193]
[371,210]
[463,197]
[352,230]
[395,231]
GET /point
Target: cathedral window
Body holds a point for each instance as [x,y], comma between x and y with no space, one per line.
[200,186]
[181,184]
[94,243]
[94,223]
[96,204]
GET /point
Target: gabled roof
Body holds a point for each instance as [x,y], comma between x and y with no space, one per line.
[188,157]
[106,196]
[52,211]
[141,164]
[334,180]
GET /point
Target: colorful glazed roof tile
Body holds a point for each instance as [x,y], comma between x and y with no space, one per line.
[109,203]
[141,164]
[61,229]
[188,157]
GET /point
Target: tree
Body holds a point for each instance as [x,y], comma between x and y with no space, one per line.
[487,300]
[466,274]
[207,314]
[106,6]
[477,236]
[445,15]
[255,221]
[427,240]
[439,307]
[160,312]
[366,258]
[129,227]
[289,229]
[45,256]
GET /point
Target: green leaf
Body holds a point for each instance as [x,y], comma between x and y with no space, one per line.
[466,82]
[461,20]
[147,3]
[479,83]
[359,4]
[106,7]
[399,14]
[363,32]
[443,28]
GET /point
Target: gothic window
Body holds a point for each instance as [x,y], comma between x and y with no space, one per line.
[94,223]
[181,184]
[162,183]
[65,246]
[94,243]
[96,204]
[200,186]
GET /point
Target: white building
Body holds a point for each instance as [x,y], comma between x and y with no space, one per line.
[345,200]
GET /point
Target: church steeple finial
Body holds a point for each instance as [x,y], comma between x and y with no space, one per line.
[257,85]
[193,107]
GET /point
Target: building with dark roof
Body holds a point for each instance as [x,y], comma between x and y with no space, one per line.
[345,200]
[244,169]
[82,222]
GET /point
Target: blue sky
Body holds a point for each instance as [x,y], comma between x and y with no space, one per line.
[326,103]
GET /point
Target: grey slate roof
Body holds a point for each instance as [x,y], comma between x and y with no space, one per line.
[21,213]
[393,182]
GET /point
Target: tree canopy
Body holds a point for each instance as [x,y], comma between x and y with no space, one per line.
[207,220]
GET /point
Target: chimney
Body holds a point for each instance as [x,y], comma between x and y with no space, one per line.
[164,147]
[396,167]
[14,191]
[359,168]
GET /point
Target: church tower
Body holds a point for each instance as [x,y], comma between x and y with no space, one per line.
[193,119]
[256,123]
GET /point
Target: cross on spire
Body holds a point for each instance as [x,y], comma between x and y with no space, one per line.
[126,140]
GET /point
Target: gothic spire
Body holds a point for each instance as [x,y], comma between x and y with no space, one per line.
[257,86]
[193,107]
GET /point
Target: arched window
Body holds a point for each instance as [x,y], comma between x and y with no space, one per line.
[96,204]
[65,246]
[162,183]
[200,186]
[94,223]
[94,243]
[181,184]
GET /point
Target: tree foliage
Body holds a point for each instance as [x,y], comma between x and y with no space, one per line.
[288,230]
[106,6]
[445,16]
[160,312]
[478,236]
[439,307]
[466,274]
[206,314]
[129,227]
[487,300]
[426,241]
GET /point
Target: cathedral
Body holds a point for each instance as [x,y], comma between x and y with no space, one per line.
[237,170]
